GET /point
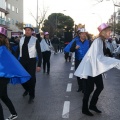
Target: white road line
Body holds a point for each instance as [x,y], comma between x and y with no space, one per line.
[73,60]
[72,68]
[69,87]
[73,63]
[66,109]
[104,75]
[73,55]
[71,75]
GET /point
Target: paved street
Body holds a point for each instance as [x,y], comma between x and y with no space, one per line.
[57,99]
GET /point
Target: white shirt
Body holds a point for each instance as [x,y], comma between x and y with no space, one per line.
[45,46]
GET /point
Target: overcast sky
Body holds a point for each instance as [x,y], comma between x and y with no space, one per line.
[87,12]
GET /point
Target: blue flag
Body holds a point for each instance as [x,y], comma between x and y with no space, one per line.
[67,48]
[11,68]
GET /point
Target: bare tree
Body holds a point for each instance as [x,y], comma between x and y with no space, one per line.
[41,17]
[20,25]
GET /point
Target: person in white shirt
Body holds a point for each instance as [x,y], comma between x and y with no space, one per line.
[46,47]
[29,49]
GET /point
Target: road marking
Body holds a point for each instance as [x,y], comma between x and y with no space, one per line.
[73,63]
[71,75]
[66,96]
[73,55]
[69,87]
[104,75]
[73,60]
[66,109]
[72,68]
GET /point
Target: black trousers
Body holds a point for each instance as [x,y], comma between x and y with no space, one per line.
[30,67]
[67,56]
[46,60]
[61,48]
[80,81]
[88,89]
[4,97]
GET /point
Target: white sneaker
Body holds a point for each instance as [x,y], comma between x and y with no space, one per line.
[12,117]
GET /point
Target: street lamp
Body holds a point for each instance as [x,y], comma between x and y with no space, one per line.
[57,20]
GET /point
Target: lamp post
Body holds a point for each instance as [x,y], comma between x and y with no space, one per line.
[57,20]
[37,16]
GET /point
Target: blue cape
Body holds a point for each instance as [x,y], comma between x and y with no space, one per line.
[11,68]
[67,48]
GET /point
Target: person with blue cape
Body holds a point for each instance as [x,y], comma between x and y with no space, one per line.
[80,46]
[11,71]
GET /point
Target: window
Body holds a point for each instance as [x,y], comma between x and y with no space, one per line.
[0,14]
[13,8]
[3,15]
[12,21]
[16,10]
[5,18]
[16,22]
[8,6]
[8,20]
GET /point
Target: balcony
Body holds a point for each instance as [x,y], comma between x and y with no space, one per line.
[4,23]
[118,17]
[5,11]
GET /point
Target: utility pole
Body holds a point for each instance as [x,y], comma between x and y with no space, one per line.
[114,21]
[37,16]
[113,16]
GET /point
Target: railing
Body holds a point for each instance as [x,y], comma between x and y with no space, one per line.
[118,17]
[3,22]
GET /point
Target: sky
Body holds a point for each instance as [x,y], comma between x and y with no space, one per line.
[87,12]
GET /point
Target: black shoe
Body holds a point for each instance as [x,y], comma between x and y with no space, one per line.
[12,117]
[87,113]
[94,108]
[31,100]
[25,93]
[79,89]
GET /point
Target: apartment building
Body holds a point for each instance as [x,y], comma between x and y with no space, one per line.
[3,14]
[11,13]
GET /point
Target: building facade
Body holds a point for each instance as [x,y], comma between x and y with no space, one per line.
[3,14]
[11,13]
